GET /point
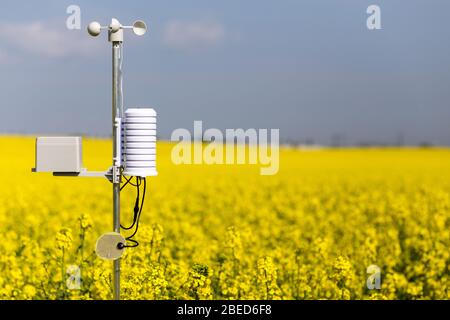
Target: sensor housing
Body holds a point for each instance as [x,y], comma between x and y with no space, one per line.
[58,154]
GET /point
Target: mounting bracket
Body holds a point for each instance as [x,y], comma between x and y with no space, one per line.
[87,174]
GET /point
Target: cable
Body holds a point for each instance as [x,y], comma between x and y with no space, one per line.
[127,179]
[136,203]
[128,182]
[121,246]
[140,211]
[137,212]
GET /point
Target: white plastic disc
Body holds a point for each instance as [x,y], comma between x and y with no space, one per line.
[140,120]
[140,163]
[140,112]
[138,157]
[140,172]
[106,246]
[141,139]
[140,145]
[141,133]
[129,126]
[140,151]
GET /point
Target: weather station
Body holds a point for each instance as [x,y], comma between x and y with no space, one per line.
[133,158]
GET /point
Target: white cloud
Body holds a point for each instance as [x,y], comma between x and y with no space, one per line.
[193,34]
[46,40]
[3,57]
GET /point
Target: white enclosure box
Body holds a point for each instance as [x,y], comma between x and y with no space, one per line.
[58,154]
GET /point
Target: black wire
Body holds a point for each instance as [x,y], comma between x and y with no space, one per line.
[140,211]
[135,244]
[137,212]
[128,182]
[136,204]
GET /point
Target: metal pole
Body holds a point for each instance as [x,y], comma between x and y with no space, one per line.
[117,111]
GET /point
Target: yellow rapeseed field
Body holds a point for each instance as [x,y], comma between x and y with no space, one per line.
[225,232]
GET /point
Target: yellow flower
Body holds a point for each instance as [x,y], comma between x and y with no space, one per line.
[64,239]
[308,232]
[85,221]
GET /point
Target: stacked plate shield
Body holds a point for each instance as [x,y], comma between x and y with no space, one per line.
[139,143]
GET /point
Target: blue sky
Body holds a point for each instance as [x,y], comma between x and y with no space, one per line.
[310,68]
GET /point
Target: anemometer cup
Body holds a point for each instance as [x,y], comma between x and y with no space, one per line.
[139,28]
[94,28]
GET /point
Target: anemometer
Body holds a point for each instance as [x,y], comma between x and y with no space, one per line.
[134,152]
